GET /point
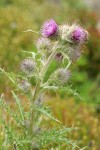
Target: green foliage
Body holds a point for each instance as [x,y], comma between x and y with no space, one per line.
[16,126]
[18,16]
[83,115]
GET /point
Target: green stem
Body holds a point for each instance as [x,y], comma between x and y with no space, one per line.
[48,62]
[40,82]
[36,92]
[69,61]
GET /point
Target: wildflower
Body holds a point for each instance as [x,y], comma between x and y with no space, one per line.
[73,33]
[60,76]
[43,43]
[49,28]
[27,66]
[24,85]
[79,35]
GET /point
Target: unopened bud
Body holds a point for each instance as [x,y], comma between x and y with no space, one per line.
[74,53]
[43,44]
[27,66]
[24,85]
[60,76]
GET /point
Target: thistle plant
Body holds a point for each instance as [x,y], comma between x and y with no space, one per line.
[26,129]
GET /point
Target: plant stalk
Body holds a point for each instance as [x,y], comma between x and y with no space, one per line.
[40,82]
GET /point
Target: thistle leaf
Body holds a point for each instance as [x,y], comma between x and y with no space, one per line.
[46,111]
[19,105]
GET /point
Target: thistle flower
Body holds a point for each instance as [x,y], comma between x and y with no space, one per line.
[24,85]
[43,43]
[49,28]
[60,76]
[27,66]
[79,35]
[73,33]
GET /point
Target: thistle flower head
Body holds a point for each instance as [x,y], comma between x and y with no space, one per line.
[63,75]
[24,85]
[73,33]
[43,43]
[79,35]
[60,76]
[27,66]
[49,28]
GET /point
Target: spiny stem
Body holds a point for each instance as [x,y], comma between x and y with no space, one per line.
[37,89]
[40,82]
[69,61]
[48,62]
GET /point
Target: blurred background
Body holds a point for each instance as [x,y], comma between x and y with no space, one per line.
[18,16]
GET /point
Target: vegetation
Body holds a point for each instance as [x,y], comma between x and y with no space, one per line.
[18,16]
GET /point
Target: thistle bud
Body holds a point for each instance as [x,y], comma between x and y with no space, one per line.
[73,33]
[27,66]
[24,86]
[60,76]
[43,44]
[74,53]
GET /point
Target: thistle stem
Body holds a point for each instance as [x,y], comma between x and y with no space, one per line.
[48,62]
[40,82]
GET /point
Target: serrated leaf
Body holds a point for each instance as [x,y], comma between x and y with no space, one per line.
[19,105]
[9,111]
[46,111]
[10,75]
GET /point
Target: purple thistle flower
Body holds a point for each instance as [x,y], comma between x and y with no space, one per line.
[79,35]
[49,28]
